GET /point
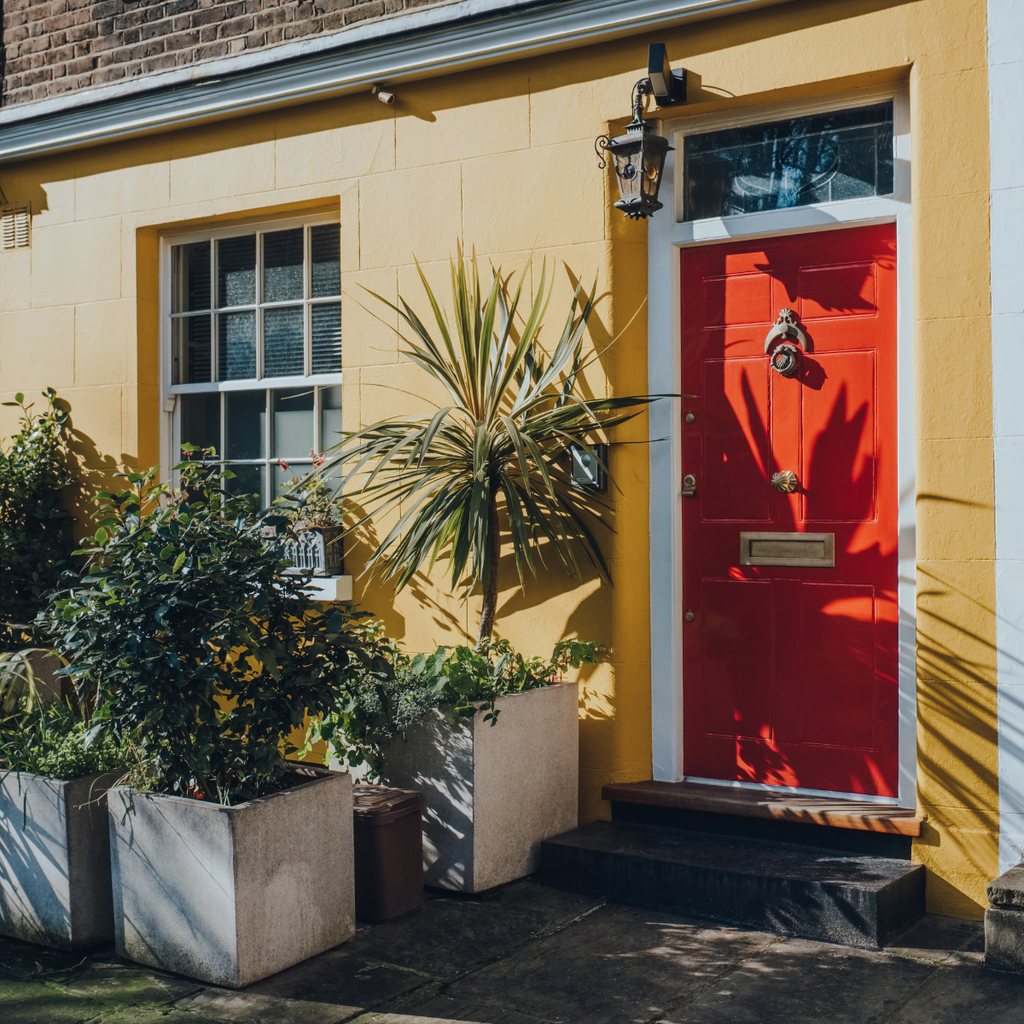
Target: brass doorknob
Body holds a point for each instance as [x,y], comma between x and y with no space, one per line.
[784,482]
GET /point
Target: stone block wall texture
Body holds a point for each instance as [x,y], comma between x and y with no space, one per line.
[59,46]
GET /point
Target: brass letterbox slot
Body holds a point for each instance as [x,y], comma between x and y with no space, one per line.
[806,549]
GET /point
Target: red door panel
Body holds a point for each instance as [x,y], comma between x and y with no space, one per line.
[790,672]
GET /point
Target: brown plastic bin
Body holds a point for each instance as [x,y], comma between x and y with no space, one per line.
[389,852]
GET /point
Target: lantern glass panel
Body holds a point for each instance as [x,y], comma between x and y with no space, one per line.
[654,164]
[627,171]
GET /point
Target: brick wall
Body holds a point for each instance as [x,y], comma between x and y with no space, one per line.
[57,46]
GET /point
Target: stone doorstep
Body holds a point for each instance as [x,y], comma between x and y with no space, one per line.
[792,807]
[775,887]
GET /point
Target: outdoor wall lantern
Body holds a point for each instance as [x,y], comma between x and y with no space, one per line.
[639,155]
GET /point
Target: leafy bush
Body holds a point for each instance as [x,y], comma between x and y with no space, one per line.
[197,639]
[58,742]
[35,540]
[459,681]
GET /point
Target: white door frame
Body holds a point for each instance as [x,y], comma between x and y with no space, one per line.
[667,235]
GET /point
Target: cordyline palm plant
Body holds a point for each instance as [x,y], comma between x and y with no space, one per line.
[501,446]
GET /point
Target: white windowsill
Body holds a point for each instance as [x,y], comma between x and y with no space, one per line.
[330,588]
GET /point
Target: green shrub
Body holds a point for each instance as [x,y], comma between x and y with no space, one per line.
[202,646]
[459,681]
[56,741]
[35,535]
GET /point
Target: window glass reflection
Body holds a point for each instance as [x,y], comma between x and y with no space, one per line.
[845,154]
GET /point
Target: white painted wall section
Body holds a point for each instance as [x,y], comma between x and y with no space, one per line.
[1006,129]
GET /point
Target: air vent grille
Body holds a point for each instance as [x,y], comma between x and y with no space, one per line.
[14,227]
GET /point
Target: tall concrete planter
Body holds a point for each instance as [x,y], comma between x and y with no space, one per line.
[493,793]
[230,895]
[55,860]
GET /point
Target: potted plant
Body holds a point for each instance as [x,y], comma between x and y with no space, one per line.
[228,863]
[314,514]
[56,765]
[492,466]
[490,793]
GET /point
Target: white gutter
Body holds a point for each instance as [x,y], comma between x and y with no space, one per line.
[440,40]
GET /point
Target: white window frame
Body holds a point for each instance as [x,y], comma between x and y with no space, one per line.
[170,425]
[668,234]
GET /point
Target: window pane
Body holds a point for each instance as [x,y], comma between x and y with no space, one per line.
[236,271]
[246,415]
[841,155]
[281,478]
[200,420]
[283,354]
[248,479]
[190,277]
[293,423]
[282,265]
[326,327]
[190,350]
[237,359]
[325,245]
[330,417]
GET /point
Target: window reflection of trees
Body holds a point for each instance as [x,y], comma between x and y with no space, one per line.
[819,158]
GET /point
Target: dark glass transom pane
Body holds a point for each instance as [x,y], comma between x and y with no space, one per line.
[190,347]
[237,338]
[325,245]
[200,420]
[245,414]
[293,423]
[283,349]
[282,265]
[236,271]
[190,275]
[845,154]
[326,330]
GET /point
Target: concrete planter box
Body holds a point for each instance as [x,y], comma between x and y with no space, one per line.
[230,895]
[1004,921]
[493,793]
[55,860]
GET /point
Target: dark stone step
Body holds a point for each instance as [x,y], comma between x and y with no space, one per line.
[768,886]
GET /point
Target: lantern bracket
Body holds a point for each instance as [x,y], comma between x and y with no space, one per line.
[667,85]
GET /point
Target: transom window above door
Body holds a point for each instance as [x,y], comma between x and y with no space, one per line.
[252,357]
[816,158]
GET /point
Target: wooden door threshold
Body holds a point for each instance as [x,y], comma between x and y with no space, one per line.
[746,803]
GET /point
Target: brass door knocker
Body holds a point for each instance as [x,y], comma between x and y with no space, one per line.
[785,360]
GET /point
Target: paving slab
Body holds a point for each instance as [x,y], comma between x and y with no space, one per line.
[940,939]
[148,1015]
[455,933]
[532,955]
[28,1002]
[340,978]
[799,981]
[615,966]
[119,981]
[444,1008]
[250,1008]
[965,992]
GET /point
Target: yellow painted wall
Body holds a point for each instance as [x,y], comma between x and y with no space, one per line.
[502,157]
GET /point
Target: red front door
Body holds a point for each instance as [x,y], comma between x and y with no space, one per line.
[790,670]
